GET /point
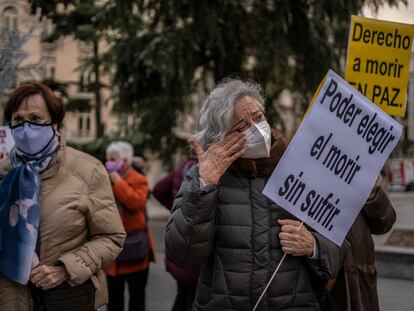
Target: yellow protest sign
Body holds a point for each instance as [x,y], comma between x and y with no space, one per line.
[378,61]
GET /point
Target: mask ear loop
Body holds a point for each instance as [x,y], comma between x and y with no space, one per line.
[50,140]
[273,276]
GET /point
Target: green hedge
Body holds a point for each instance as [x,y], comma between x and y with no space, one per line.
[96,148]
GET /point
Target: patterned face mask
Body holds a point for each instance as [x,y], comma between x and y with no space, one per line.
[258,141]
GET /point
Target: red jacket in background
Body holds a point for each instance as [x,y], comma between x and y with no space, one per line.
[132,192]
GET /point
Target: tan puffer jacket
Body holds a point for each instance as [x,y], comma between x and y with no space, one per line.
[79,225]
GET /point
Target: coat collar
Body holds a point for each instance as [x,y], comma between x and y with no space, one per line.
[125,171]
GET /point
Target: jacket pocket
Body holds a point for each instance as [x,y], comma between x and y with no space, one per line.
[203,296]
[368,286]
[204,287]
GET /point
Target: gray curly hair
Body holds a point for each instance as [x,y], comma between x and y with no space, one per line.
[216,114]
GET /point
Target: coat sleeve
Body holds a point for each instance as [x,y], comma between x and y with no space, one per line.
[379,213]
[163,191]
[330,258]
[106,233]
[133,195]
[191,226]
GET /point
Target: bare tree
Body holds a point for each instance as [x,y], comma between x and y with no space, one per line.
[12,56]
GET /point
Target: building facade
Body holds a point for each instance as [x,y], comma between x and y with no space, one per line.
[32,59]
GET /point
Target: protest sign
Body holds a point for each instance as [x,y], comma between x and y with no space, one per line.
[329,169]
[6,141]
[378,61]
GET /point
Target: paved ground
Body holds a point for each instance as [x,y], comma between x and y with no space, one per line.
[395,294]
[404,206]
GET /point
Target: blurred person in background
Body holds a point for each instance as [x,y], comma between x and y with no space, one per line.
[59,225]
[130,189]
[138,164]
[355,287]
[165,191]
[221,220]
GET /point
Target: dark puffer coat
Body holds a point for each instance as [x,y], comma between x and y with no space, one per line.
[165,191]
[231,229]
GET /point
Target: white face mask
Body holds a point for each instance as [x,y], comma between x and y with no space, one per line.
[258,140]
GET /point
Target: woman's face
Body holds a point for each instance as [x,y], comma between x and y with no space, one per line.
[32,109]
[246,113]
[113,157]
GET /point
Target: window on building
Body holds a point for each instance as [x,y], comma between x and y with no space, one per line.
[10,19]
[47,30]
[81,83]
[52,73]
[80,123]
[88,123]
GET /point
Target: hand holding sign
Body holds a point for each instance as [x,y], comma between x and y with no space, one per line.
[374,190]
[296,239]
[330,168]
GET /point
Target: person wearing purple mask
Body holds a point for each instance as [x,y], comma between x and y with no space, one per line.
[59,225]
[114,166]
[131,268]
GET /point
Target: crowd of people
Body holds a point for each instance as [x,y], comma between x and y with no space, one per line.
[74,231]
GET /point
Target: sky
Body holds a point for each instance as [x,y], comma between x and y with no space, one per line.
[401,14]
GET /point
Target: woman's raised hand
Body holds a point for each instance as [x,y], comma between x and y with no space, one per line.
[214,161]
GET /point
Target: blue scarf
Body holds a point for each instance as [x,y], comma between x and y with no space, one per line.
[19,211]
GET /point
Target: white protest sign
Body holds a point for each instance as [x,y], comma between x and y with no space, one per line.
[329,169]
[6,141]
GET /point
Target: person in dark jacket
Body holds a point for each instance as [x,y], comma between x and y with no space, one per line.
[355,287]
[221,220]
[165,191]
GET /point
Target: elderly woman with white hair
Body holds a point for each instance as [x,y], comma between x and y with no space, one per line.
[130,189]
[221,219]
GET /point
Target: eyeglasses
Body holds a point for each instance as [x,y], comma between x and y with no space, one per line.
[18,123]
